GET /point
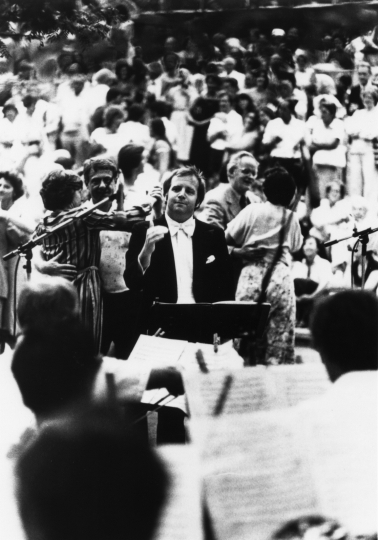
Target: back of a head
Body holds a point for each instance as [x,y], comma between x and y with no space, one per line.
[55,367]
[46,303]
[84,478]
[279,187]
[344,330]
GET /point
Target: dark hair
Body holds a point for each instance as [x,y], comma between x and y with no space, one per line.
[55,367]
[112,94]
[136,112]
[84,476]
[189,170]
[29,100]
[15,182]
[342,324]
[160,108]
[9,107]
[279,186]
[231,81]
[52,301]
[251,106]
[331,108]
[58,189]
[158,128]
[98,164]
[111,113]
[261,73]
[129,158]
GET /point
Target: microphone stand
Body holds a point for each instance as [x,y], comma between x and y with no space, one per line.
[363,238]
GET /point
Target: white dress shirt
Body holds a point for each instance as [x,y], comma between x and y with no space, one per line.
[182,244]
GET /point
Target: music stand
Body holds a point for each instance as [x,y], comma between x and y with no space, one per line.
[199,322]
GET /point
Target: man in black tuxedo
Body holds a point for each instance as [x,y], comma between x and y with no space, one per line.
[179,259]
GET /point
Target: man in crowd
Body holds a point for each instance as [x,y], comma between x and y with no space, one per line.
[179,259]
[223,203]
[355,97]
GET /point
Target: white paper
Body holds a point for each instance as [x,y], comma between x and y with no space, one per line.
[256,475]
[182,516]
[159,351]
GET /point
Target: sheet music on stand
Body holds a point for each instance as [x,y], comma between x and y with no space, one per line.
[163,352]
[255,388]
[182,516]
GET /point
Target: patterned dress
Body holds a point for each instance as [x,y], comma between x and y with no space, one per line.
[79,245]
[259,226]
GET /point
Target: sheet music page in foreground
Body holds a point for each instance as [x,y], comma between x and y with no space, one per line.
[299,382]
[182,516]
[256,474]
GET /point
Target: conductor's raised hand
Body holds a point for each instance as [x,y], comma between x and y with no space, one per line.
[154,234]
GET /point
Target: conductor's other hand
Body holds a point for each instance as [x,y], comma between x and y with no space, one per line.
[55,268]
[168,378]
[154,234]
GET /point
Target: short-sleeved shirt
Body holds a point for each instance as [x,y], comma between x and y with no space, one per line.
[259,225]
[291,134]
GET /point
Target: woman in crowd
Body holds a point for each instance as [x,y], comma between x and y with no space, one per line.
[256,235]
[244,105]
[161,154]
[326,143]
[13,232]
[362,129]
[331,220]
[181,97]
[261,94]
[108,136]
[311,276]
[78,244]
[250,137]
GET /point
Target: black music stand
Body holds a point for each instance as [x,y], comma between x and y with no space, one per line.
[199,322]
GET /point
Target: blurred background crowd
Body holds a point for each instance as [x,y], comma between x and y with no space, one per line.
[199,101]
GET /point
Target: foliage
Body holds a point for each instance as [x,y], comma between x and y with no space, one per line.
[51,20]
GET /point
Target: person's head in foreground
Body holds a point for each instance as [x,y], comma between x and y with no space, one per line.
[47,303]
[55,367]
[184,191]
[84,478]
[344,331]
[279,186]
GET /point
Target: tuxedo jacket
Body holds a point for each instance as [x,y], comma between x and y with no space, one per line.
[212,270]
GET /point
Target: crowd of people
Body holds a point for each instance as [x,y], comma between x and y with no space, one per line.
[212,174]
[312,112]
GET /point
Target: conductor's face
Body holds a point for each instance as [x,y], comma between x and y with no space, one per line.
[182,198]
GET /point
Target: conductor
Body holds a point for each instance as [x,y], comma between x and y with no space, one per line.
[177,258]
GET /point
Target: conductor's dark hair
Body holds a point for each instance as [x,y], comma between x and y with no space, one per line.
[55,368]
[58,189]
[15,182]
[84,477]
[190,170]
[279,186]
[344,330]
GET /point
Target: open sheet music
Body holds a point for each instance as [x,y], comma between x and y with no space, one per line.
[256,474]
[255,388]
[181,518]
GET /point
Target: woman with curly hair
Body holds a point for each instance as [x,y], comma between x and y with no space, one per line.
[12,232]
[77,246]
